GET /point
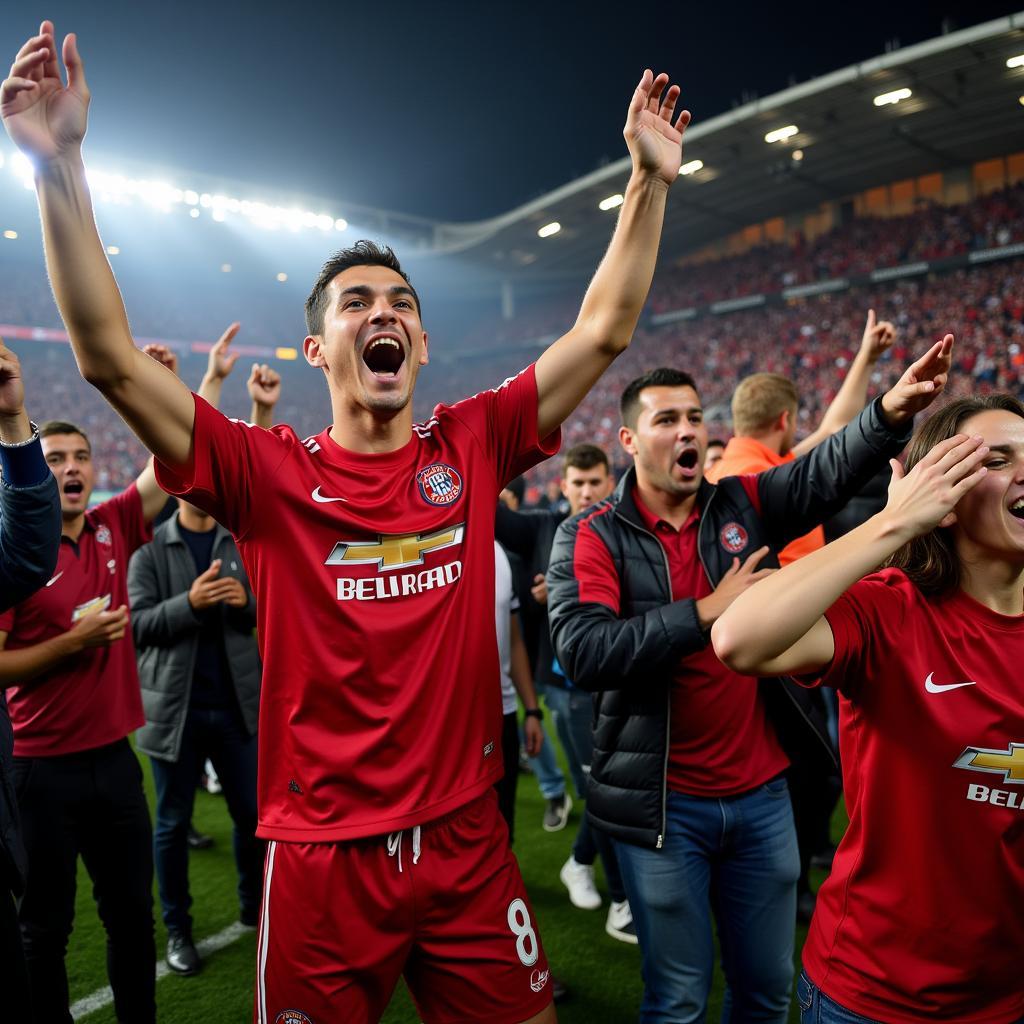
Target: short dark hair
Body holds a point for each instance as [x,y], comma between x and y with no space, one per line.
[662,377]
[716,442]
[363,254]
[517,487]
[930,561]
[585,456]
[51,427]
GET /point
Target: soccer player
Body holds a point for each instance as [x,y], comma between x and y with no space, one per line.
[920,918]
[370,549]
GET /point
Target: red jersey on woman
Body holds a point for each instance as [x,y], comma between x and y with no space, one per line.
[921,918]
[374,576]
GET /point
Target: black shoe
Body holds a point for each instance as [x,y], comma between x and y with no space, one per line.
[197,841]
[249,917]
[182,956]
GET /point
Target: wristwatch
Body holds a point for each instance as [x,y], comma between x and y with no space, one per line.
[537,713]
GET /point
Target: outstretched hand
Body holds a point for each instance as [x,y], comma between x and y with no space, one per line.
[222,360]
[655,143]
[164,355]
[44,118]
[921,383]
[878,337]
[926,496]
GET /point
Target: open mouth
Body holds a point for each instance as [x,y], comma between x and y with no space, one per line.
[384,357]
[1017,509]
[73,488]
[687,461]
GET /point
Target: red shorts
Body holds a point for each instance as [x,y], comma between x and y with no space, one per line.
[444,904]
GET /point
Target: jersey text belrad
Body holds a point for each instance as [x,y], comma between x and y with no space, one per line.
[376,588]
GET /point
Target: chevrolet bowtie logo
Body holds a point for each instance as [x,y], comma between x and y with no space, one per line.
[1008,763]
[395,552]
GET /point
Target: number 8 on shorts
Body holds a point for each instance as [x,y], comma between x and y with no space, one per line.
[522,928]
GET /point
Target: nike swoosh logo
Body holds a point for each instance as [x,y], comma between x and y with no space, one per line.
[317,496]
[55,578]
[943,687]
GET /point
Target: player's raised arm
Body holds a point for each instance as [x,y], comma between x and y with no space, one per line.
[612,304]
[46,120]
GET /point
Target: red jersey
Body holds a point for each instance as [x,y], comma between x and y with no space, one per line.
[374,576]
[921,917]
[720,740]
[94,698]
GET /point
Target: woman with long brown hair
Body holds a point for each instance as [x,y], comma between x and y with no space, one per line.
[921,917]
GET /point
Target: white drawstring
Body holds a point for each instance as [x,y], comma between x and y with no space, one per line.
[395,846]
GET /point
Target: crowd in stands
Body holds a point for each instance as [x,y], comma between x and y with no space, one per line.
[811,339]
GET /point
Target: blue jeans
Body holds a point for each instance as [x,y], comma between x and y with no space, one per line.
[219,736]
[735,858]
[817,1008]
[573,712]
[545,767]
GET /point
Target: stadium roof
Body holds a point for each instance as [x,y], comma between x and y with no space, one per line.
[965,104]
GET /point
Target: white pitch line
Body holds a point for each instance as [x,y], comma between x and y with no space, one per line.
[104,996]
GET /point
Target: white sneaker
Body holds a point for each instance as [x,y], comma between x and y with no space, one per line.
[579,880]
[620,924]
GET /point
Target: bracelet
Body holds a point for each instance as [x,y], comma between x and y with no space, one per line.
[534,713]
[22,444]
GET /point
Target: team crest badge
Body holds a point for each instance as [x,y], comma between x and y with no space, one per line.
[291,1017]
[439,484]
[103,536]
[734,538]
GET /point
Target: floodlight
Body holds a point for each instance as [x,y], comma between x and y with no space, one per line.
[891,98]
[798,155]
[192,198]
[781,134]
[1016,62]
[193,212]
[691,167]
[286,353]
[219,215]
[340,224]
[225,268]
[10,234]
[611,202]
[549,229]
[282,277]
[113,250]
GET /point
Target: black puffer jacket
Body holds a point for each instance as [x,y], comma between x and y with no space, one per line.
[630,659]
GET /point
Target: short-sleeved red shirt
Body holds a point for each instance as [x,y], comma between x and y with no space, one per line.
[720,740]
[374,576]
[922,917]
[94,698]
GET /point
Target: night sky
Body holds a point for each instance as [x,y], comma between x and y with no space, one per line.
[455,111]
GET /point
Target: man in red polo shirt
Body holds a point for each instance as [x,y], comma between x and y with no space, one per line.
[67,661]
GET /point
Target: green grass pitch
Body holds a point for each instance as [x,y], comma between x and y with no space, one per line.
[603,975]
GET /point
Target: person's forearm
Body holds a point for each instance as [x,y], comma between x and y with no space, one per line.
[26,664]
[617,292]
[851,397]
[262,415]
[210,388]
[15,429]
[775,613]
[82,280]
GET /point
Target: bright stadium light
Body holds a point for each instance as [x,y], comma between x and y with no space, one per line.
[890,98]
[225,268]
[691,167]
[193,212]
[549,229]
[798,155]
[282,277]
[219,215]
[781,134]
[340,224]
[10,234]
[1016,62]
[113,250]
[611,202]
